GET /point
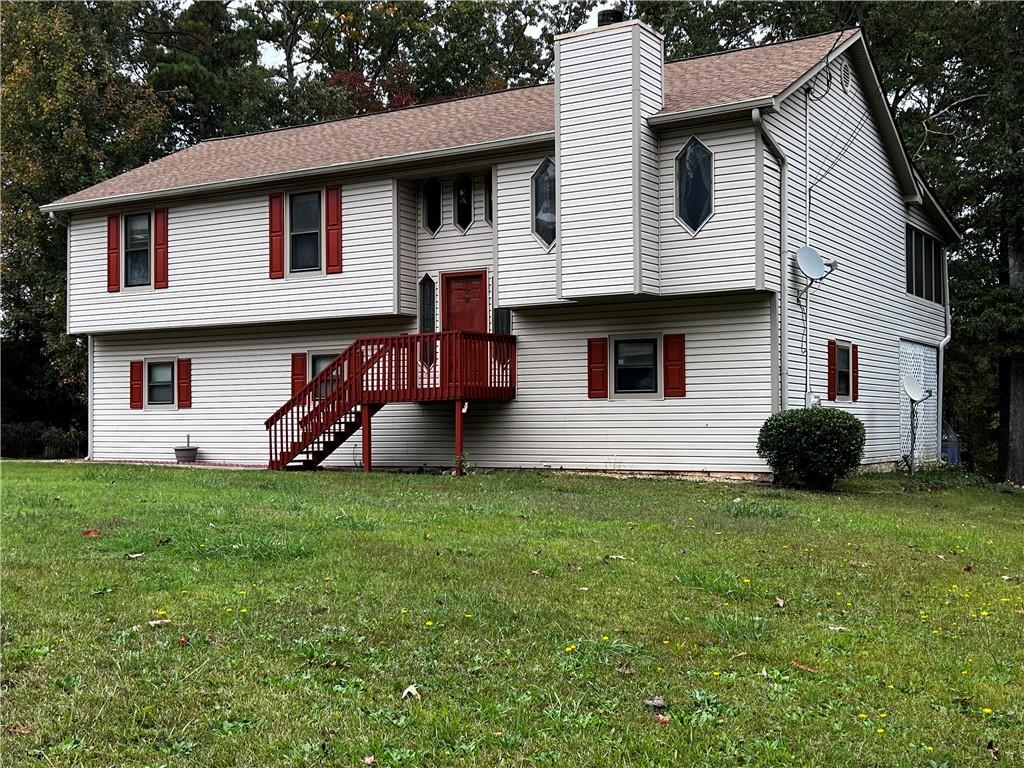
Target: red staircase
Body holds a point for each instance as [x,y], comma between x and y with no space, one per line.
[456,366]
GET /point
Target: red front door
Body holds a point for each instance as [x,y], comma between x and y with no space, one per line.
[464,308]
[464,296]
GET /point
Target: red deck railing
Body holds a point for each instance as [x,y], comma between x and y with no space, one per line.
[420,367]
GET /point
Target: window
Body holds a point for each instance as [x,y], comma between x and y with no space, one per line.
[489,198]
[160,383]
[844,367]
[426,320]
[544,203]
[432,205]
[317,363]
[924,263]
[636,366]
[462,194]
[304,231]
[694,185]
[503,321]
[136,250]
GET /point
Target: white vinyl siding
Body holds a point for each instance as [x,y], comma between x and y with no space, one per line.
[858,216]
[721,255]
[218,268]
[525,268]
[408,218]
[240,376]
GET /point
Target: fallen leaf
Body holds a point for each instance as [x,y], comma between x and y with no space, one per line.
[941,557]
[739,655]
[780,603]
[369,760]
[426,537]
[658,702]
[837,628]
[22,730]
[1007,577]
[183,640]
[992,749]
[573,568]
[101,592]
[797,665]
[134,555]
[164,542]
[535,572]
[158,622]
[608,558]
[584,589]
[91,533]
[413,691]
[624,668]
[968,568]
[497,733]
[661,719]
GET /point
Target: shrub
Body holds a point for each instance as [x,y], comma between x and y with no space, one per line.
[812,447]
[35,440]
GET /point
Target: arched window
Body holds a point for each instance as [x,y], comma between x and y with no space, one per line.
[462,193]
[432,205]
[544,202]
[694,185]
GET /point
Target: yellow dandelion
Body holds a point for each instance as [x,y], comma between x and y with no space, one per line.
[862,716]
[229,610]
[161,612]
[244,610]
[839,593]
[987,711]
[883,714]
[570,648]
[604,637]
[983,613]
[241,591]
[664,642]
[467,615]
[930,749]
[746,581]
[404,610]
[879,730]
[716,673]
[429,623]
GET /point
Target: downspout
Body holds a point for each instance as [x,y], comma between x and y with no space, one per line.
[942,354]
[808,398]
[777,153]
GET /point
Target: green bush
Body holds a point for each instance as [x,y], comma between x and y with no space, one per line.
[36,440]
[812,447]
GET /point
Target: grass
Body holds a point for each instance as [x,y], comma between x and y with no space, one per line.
[536,613]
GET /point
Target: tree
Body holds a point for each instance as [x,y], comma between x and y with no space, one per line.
[72,115]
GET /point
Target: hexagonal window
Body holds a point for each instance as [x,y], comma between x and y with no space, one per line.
[543,183]
[431,193]
[695,185]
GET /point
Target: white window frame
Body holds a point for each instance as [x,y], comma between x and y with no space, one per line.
[303,273]
[124,251]
[848,346]
[533,215]
[423,207]
[171,406]
[659,366]
[472,203]
[676,190]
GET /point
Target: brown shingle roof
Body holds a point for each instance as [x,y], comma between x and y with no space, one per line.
[506,116]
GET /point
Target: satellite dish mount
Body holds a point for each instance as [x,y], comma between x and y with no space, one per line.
[813,267]
[917,395]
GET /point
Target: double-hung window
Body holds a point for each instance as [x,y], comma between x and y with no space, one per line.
[304,231]
[317,364]
[137,250]
[160,383]
[924,261]
[844,369]
[636,366]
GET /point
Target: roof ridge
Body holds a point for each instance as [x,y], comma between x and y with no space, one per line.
[837,31]
[393,110]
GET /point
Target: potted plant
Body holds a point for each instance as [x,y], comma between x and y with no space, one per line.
[186,454]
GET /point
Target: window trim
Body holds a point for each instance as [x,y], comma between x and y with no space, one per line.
[171,406]
[423,207]
[472,202]
[676,190]
[322,251]
[533,205]
[659,363]
[318,352]
[848,346]
[489,197]
[151,285]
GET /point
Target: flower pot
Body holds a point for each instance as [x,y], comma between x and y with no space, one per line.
[185,454]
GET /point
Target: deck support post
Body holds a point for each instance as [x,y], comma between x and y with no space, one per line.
[458,438]
[364,410]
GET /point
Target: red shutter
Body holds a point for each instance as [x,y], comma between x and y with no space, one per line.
[276,236]
[333,230]
[114,254]
[597,367]
[831,369]
[298,371]
[184,382]
[135,388]
[160,248]
[674,345]
[854,373]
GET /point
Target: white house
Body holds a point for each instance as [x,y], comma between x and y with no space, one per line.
[592,274]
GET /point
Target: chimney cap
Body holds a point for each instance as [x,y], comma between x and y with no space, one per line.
[610,16]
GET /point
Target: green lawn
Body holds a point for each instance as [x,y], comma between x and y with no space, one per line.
[534,612]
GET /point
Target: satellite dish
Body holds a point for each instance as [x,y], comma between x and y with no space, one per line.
[913,389]
[810,262]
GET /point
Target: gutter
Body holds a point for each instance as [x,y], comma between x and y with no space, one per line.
[303,173]
[777,153]
[691,115]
